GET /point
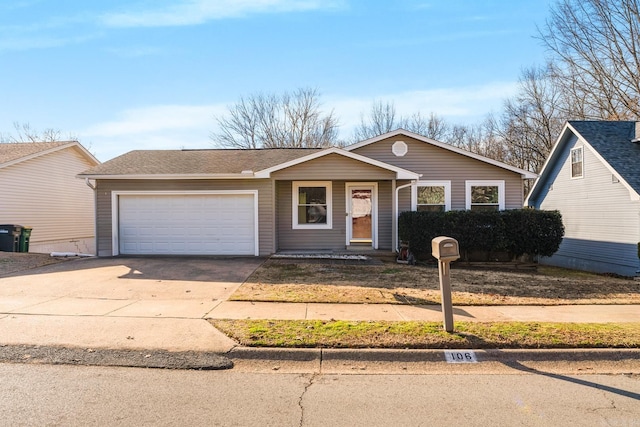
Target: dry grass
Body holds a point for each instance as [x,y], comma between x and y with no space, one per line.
[283,280]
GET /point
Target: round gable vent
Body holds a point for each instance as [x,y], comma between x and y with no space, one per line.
[399,148]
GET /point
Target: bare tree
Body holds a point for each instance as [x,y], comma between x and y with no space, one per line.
[434,126]
[532,119]
[25,133]
[277,121]
[478,138]
[382,118]
[595,56]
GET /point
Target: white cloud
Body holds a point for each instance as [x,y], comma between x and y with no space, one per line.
[194,12]
[189,126]
[156,118]
[153,128]
[461,105]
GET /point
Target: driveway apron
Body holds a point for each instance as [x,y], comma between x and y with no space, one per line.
[84,301]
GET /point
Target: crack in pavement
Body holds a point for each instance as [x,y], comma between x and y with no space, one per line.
[306,388]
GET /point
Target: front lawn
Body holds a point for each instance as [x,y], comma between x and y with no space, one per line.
[421,335]
[283,280]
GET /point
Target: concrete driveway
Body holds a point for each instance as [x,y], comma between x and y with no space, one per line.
[77,302]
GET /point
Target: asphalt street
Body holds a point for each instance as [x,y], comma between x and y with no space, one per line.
[108,396]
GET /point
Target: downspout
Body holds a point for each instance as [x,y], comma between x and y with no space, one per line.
[397,214]
[95,213]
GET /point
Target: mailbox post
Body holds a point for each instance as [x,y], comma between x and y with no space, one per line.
[445,249]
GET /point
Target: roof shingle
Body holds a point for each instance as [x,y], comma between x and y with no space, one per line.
[197,162]
[17,150]
[612,140]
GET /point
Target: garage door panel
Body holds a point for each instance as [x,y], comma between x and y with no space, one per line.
[218,224]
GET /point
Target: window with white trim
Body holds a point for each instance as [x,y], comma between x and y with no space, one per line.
[432,196]
[311,204]
[485,195]
[576,163]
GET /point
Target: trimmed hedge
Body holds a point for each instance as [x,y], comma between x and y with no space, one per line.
[518,231]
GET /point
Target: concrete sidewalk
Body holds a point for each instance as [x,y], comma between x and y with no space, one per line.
[86,323]
[396,312]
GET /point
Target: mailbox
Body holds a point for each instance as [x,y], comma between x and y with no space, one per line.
[445,248]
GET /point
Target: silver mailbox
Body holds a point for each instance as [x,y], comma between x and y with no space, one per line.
[445,248]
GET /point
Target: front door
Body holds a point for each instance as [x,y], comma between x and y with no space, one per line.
[361,214]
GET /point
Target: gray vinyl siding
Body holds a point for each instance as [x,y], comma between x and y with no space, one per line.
[44,193]
[385,215]
[602,222]
[339,170]
[105,187]
[435,163]
[308,239]
[336,237]
[404,198]
[334,166]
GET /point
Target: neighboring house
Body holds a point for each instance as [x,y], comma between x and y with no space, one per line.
[592,176]
[258,202]
[40,190]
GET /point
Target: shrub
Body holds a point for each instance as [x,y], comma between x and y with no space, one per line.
[520,231]
[533,232]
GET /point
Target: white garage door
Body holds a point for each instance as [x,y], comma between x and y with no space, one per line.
[208,224]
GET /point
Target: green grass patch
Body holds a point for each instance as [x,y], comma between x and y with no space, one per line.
[423,335]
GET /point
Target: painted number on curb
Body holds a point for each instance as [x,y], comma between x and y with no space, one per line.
[460,356]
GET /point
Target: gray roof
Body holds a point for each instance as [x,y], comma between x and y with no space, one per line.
[17,150]
[197,162]
[612,140]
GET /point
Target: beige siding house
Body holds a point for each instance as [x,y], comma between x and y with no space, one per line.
[40,190]
[258,202]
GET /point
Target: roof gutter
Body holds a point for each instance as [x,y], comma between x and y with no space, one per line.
[244,175]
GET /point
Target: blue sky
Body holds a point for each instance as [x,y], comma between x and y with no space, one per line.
[152,74]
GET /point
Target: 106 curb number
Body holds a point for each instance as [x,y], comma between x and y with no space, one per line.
[464,356]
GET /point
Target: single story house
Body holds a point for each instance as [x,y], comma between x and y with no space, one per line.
[259,202]
[40,190]
[592,177]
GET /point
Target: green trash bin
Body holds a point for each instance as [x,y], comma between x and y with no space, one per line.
[25,235]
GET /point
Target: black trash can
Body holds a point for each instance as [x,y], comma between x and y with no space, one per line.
[10,237]
[25,235]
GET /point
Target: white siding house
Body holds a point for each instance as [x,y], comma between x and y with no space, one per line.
[40,190]
[592,177]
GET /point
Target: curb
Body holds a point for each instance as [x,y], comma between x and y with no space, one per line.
[431,355]
[197,360]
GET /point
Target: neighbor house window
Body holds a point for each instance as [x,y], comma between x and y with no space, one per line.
[485,195]
[432,196]
[311,204]
[576,163]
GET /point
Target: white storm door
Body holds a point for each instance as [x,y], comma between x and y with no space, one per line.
[362,212]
